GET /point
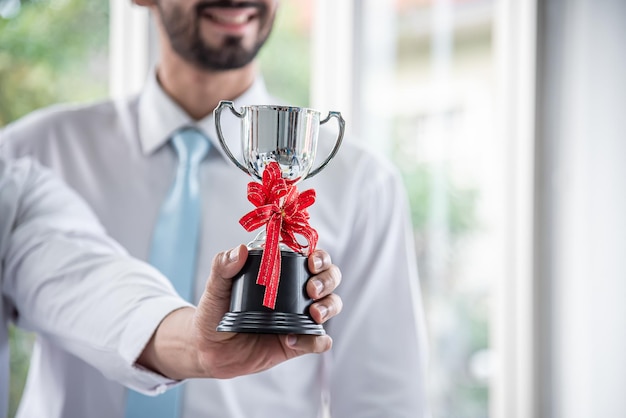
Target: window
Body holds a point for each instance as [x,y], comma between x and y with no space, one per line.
[418,80]
[439,123]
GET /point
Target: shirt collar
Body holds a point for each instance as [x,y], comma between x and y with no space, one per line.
[159,116]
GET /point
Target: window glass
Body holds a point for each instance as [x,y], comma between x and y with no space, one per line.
[50,51]
[442,141]
[286,60]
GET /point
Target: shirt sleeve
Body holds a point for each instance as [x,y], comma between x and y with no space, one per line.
[68,281]
[379,351]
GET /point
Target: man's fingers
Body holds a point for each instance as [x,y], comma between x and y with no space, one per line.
[324,309]
[319,261]
[324,283]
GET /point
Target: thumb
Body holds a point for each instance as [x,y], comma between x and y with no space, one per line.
[225,266]
[215,300]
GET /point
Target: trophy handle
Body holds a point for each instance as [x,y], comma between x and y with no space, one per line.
[218,124]
[342,126]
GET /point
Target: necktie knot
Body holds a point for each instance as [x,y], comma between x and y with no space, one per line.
[191,146]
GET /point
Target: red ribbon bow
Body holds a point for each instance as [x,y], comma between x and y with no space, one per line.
[283,210]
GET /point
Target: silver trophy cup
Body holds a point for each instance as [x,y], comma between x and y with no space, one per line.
[288,136]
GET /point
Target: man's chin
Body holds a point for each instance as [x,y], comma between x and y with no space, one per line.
[223,60]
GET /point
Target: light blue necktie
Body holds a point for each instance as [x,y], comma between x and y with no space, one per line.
[173,252]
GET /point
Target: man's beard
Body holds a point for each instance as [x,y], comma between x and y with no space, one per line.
[186,40]
[232,54]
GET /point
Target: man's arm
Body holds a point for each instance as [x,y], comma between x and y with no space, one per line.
[67,280]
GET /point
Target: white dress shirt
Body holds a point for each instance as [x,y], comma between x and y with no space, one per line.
[115,154]
[62,277]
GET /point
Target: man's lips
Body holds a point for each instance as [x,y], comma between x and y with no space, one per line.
[230,16]
[230,13]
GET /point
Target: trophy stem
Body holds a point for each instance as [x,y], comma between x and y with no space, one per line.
[258,243]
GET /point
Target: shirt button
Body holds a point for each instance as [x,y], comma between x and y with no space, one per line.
[161,389]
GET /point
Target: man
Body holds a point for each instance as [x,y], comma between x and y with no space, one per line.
[118,156]
[61,276]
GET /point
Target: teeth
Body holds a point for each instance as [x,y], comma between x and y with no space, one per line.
[232,20]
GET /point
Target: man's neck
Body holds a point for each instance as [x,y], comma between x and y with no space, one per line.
[197,91]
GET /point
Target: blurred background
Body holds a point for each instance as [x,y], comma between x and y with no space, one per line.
[506,120]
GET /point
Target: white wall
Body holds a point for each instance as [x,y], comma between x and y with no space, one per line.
[582,208]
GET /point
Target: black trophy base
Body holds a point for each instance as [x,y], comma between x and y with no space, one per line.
[291,313]
[269,323]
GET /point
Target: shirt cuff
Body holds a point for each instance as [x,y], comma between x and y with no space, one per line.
[140,328]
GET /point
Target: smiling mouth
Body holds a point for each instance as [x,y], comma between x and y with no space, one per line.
[230,16]
[227,12]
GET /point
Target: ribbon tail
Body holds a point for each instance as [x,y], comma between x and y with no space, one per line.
[269,270]
[271,288]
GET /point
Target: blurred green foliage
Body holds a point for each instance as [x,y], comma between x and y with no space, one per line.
[52,51]
[21,344]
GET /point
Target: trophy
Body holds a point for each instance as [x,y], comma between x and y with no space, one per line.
[279,144]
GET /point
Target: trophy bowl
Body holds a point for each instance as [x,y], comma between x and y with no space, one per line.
[279,145]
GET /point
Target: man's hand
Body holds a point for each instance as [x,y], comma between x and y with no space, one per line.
[187,345]
[225,354]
